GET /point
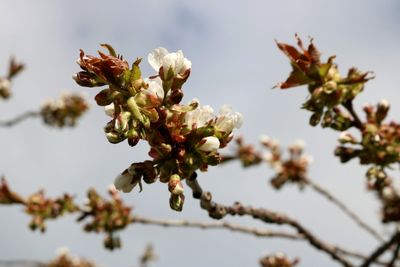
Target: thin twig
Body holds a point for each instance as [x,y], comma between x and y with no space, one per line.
[19,118]
[344,208]
[217,225]
[382,249]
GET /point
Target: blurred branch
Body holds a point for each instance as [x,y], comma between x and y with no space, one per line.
[19,118]
[216,225]
[382,249]
[395,256]
[344,208]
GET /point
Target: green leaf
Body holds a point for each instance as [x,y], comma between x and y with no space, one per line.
[110,49]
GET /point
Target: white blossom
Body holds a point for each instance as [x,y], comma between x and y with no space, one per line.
[211,144]
[228,120]
[124,182]
[200,116]
[155,88]
[160,57]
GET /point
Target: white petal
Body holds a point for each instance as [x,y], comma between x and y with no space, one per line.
[169,61]
[225,109]
[155,87]
[109,110]
[124,182]
[211,144]
[156,57]
[187,64]
[238,120]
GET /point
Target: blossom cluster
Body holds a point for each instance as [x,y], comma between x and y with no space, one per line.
[380,142]
[106,216]
[291,169]
[64,111]
[331,95]
[183,138]
[42,208]
[65,259]
[328,89]
[277,260]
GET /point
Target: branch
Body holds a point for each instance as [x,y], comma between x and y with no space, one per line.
[358,255]
[395,256]
[344,208]
[356,120]
[19,118]
[218,211]
[382,249]
[216,225]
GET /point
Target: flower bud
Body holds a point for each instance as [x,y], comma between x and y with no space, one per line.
[209,144]
[315,118]
[176,202]
[86,79]
[5,88]
[329,87]
[346,137]
[103,98]
[175,185]
[114,137]
[125,182]
[382,110]
[121,123]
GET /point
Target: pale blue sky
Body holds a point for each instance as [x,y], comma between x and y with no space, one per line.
[235,61]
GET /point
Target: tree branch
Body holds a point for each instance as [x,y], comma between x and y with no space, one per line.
[218,211]
[19,118]
[356,120]
[216,225]
[382,249]
[395,256]
[344,208]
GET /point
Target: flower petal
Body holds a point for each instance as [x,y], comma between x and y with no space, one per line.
[156,57]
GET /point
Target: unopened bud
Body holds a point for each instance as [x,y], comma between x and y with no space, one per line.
[175,185]
[103,98]
[382,110]
[84,78]
[346,137]
[176,96]
[315,118]
[5,88]
[121,123]
[114,137]
[176,202]
[388,193]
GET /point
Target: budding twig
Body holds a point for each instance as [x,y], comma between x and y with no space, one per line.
[344,208]
[19,118]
